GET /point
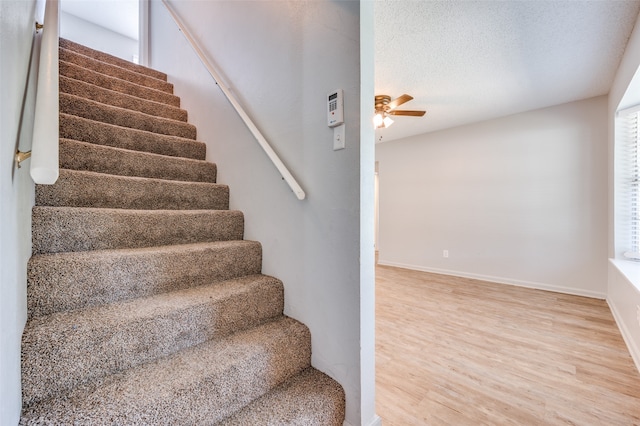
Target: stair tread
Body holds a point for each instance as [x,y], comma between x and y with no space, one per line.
[105,276]
[86,108]
[79,188]
[61,229]
[85,156]
[198,385]
[309,398]
[110,97]
[58,353]
[116,84]
[114,70]
[106,134]
[126,178]
[105,57]
[122,312]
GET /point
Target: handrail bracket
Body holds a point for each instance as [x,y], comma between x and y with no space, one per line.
[21,156]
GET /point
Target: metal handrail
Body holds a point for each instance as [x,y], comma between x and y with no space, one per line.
[44,148]
[284,172]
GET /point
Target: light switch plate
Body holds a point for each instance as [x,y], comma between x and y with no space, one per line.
[338,137]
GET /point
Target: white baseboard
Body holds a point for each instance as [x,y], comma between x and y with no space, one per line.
[500,280]
[376,421]
[626,334]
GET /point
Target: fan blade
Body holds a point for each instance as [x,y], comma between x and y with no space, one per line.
[398,101]
[411,113]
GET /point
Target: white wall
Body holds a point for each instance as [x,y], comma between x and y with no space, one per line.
[624,276]
[281,59]
[367,219]
[519,200]
[97,37]
[17,19]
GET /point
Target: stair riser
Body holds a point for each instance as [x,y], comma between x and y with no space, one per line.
[121,100]
[65,229]
[202,385]
[114,71]
[64,350]
[110,59]
[84,156]
[76,72]
[103,277]
[85,130]
[74,105]
[86,189]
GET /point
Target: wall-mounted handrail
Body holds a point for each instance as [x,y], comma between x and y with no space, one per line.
[44,148]
[284,172]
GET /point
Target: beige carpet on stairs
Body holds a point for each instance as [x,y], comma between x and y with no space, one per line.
[145,304]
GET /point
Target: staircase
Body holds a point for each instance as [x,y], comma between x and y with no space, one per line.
[145,304]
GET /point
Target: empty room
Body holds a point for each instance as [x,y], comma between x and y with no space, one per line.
[506,289]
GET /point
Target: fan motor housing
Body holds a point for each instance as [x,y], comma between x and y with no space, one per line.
[382,102]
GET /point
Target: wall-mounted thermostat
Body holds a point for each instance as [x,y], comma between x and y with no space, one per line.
[335,108]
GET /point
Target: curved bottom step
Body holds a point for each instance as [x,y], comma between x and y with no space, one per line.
[310,398]
[200,385]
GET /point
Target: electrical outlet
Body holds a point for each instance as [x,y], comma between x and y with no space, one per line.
[445,253]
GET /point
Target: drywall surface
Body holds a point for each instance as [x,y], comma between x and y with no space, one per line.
[97,37]
[519,200]
[16,194]
[623,293]
[280,59]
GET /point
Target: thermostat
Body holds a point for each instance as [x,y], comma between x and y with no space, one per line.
[335,108]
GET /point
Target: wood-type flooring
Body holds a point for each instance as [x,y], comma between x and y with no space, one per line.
[457,351]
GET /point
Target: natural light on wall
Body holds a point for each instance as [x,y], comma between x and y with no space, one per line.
[110,26]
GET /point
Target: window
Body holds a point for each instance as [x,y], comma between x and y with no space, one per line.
[629,178]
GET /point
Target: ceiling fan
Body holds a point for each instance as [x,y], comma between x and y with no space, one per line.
[385,107]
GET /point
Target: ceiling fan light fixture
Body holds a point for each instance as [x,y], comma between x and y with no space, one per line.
[384,107]
[381,120]
[378,120]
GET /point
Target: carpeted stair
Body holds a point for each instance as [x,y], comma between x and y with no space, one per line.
[145,304]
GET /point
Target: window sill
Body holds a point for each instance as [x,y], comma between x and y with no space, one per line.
[630,269]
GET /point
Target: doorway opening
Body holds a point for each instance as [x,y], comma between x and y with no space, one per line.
[111,26]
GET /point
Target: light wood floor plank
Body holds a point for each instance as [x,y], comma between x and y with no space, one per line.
[456,351]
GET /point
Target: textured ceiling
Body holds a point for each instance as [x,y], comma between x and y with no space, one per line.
[120,16]
[468,61]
